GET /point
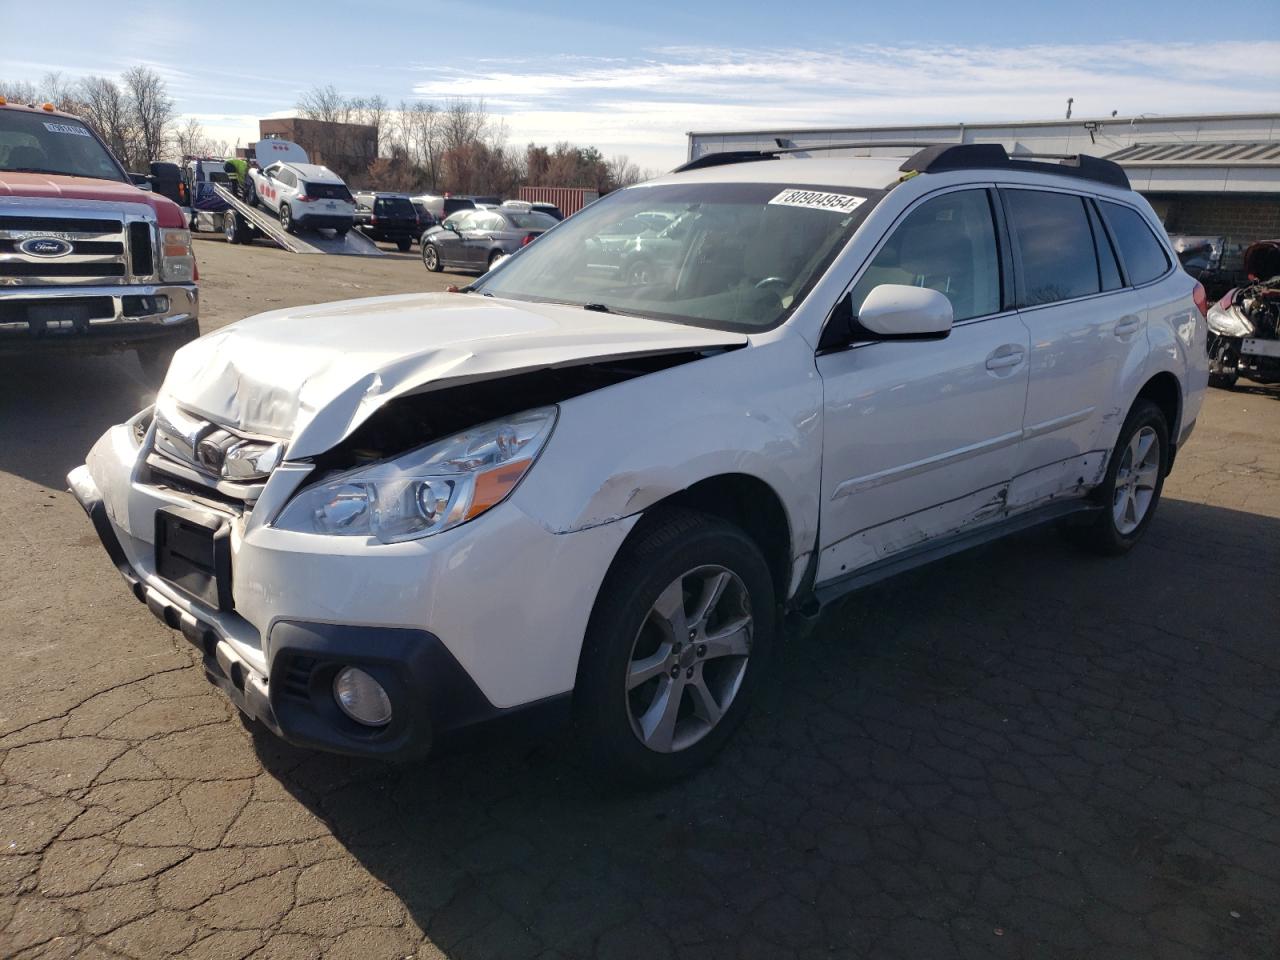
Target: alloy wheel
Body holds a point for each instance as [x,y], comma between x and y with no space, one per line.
[688,658]
[1136,478]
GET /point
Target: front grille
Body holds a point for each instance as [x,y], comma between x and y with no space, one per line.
[140,257]
[101,249]
[22,268]
[59,224]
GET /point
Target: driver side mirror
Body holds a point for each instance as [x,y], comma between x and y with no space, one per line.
[141,180]
[890,312]
[897,311]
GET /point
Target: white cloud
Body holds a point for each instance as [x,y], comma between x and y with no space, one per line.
[644,105]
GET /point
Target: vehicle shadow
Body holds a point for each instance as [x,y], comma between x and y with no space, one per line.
[1020,751]
[53,408]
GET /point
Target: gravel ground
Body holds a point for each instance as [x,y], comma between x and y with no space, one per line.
[1020,752]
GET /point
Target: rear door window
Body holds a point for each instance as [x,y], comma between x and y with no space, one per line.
[1108,265]
[1054,246]
[1142,254]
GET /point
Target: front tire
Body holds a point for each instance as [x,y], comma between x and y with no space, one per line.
[1131,490]
[286,218]
[679,638]
[431,257]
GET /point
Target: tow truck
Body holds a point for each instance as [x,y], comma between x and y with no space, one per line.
[89,262]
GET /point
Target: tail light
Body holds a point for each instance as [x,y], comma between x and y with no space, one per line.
[303,198]
[1201,299]
[528,239]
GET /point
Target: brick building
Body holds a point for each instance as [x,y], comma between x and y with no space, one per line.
[345,148]
[1211,176]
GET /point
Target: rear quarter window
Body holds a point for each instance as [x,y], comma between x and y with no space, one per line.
[1142,254]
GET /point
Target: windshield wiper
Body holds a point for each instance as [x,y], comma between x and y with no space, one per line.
[597,307]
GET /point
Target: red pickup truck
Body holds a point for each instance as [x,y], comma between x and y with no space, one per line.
[89,262]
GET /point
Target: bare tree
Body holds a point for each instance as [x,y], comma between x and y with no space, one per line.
[189,139]
[624,173]
[105,109]
[19,91]
[325,103]
[151,109]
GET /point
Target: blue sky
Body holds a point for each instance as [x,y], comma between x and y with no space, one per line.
[633,78]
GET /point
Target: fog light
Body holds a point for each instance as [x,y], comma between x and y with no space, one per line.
[361,697]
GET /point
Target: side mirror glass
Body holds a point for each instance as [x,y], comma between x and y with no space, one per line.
[897,311]
[141,180]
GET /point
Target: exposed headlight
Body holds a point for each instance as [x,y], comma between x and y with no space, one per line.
[1228,323]
[177,261]
[427,490]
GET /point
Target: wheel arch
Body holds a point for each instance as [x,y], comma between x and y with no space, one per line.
[745,501]
[1165,392]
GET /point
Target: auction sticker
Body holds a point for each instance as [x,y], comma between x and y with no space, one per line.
[817,200]
[66,128]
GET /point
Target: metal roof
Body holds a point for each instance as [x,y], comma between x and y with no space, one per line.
[1255,153]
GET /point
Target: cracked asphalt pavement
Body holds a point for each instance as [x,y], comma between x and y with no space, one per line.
[1019,752]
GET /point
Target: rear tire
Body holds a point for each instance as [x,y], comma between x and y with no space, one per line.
[234,228]
[286,219]
[494,258]
[403,244]
[679,638]
[1131,490]
[431,257]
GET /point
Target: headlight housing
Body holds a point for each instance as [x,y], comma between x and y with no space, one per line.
[428,490]
[1228,323]
[177,261]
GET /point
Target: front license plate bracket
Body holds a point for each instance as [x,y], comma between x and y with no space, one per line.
[193,552]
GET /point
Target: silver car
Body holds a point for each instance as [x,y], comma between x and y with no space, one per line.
[477,239]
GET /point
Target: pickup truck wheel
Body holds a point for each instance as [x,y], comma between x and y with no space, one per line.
[286,218]
[1131,491]
[431,257]
[677,642]
[234,228]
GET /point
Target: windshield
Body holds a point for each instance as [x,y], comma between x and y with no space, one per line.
[45,143]
[735,256]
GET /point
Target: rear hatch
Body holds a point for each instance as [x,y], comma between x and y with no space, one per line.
[395,215]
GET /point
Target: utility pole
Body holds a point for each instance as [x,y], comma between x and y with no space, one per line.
[1070,101]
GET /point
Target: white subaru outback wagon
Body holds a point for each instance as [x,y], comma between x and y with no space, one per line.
[579,484]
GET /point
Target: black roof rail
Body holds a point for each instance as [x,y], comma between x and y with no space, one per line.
[992,156]
[728,156]
[747,156]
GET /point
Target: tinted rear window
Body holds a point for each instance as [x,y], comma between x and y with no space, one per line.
[1144,258]
[327,191]
[531,221]
[1052,235]
[456,203]
[395,207]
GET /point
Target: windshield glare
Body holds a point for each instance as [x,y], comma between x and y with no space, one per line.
[36,143]
[723,255]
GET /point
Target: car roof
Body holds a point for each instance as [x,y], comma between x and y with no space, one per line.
[39,108]
[312,171]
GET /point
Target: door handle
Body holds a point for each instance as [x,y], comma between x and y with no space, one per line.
[1004,358]
[1127,325]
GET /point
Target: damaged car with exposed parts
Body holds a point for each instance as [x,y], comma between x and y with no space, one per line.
[603,494]
[1244,326]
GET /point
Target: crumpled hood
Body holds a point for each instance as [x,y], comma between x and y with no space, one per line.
[311,375]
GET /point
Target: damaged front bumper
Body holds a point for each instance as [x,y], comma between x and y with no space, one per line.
[467,626]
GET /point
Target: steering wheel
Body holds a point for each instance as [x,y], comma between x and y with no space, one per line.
[772,281]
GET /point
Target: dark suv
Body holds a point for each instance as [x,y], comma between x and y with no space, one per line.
[387,216]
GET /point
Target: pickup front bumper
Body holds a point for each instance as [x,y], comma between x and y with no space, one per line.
[94,319]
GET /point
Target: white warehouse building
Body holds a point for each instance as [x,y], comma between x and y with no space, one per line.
[1212,176]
